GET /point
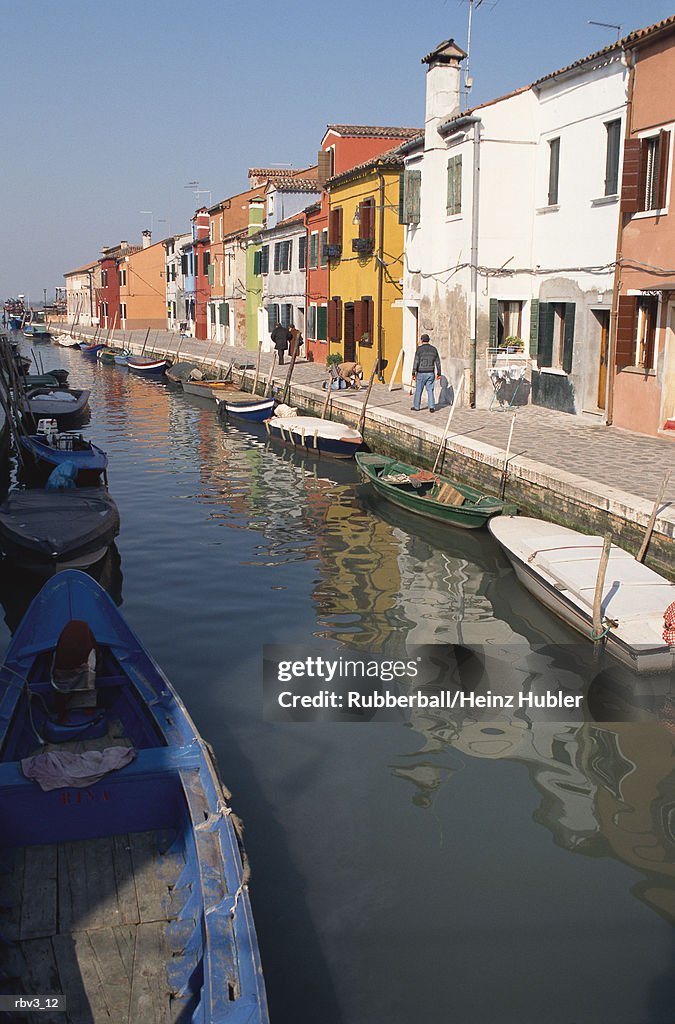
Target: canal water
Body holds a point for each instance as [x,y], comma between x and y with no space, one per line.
[454,867]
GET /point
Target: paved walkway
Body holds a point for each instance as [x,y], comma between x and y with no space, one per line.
[616,459]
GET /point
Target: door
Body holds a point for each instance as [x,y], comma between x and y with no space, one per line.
[668,403]
[603,319]
[349,340]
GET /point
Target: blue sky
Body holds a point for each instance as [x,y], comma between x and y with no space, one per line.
[110,109]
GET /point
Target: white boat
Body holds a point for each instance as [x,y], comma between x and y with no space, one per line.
[560,567]
[67,341]
[323,437]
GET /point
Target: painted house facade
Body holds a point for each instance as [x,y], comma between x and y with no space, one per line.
[364,246]
[175,283]
[283,262]
[142,286]
[82,286]
[643,396]
[512,212]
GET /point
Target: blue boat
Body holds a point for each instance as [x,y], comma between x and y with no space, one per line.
[50,448]
[243,406]
[146,366]
[135,882]
[88,349]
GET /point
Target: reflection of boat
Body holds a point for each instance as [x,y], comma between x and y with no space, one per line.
[560,566]
[147,367]
[35,325]
[166,930]
[48,530]
[60,404]
[428,494]
[243,406]
[49,448]
[322,437]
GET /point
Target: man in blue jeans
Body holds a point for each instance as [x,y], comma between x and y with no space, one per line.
[426,365]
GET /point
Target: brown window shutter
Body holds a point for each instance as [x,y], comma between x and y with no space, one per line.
[631,176]
[370,318]
[363,219]
[664,161]
[335,227]
[335,319]
[359,320]
[324,161]
[367,219]
[625,331]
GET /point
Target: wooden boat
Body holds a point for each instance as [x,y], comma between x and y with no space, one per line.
[122,358]
[312,434]
[106,355]
[560,567]
[209,388]
[243,406]
[146,366]
[48,530]
[49,448]
[429,494]
[35,325]
[130,893]
[67,341]
[60,404]
[180,371]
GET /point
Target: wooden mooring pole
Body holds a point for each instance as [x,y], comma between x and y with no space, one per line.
[362,417]
[652,519]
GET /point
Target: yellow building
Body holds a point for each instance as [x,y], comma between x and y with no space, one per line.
[364,250]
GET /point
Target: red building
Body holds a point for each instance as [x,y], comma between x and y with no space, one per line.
[202,253]
[108,293]
[343,146]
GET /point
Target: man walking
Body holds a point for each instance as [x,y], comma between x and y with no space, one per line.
[281,336]
[427,360]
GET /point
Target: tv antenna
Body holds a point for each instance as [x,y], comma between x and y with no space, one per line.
[605,24]
[468,81]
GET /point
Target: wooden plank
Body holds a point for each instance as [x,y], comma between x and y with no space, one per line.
[81,984]
[73,903]
[29,967]
[154,874]
[11,889]
[150,994]
[112,952]
[127,900]
[38,909]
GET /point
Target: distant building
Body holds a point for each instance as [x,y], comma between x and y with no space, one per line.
[175,283]
[81,291]
[142,286]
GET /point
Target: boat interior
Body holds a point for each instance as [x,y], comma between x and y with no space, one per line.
[110,911]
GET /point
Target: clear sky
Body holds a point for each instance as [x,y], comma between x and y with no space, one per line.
[112,108]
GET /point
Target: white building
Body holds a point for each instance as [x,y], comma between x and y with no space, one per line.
[81,291]
[227,309]
[512,212]
[175,290]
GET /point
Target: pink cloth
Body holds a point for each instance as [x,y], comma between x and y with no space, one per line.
[669,625]
[60,768]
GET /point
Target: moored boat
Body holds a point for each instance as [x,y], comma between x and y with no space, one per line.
[60,404]
[45,531]
[429,494]
[560,567]
[165,929]
[243,406]
[147,367]
[180,371]
[92,349]
[312,434]
[50,448]
[209,388]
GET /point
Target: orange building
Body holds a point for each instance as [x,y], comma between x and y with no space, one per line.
[644,378]
[142,284]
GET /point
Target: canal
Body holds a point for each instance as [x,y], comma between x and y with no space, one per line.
[455,867]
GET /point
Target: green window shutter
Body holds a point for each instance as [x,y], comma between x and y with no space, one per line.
[411,197]
[545,336]
[321,323]
[568,337]
[534,328]
[494,323]
[272,316]
[401,202]
[256,262]
[224,314]
[612,159]
[302,252]
[314,250]
[212,274]
[265,259]
[454,199]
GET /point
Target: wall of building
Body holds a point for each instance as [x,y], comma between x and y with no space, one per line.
[145,290]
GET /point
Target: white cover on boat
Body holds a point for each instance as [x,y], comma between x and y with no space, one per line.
[324,428]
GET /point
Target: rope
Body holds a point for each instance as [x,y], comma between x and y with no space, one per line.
[602,635]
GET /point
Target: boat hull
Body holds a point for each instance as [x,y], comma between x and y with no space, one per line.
[41,406]
[315,436]
[255,410]
[91,350]
[147,367]
[91,462]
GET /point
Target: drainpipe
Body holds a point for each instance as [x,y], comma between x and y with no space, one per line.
[474,261]
[380,277]
[613,317]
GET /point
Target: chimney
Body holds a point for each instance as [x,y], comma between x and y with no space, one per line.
[147,238]
[442,99]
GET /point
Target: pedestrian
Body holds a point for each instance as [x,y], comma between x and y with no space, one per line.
[295,340]
[426,365]
[281,337]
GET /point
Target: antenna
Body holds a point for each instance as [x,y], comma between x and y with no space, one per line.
[468,81]
[605,24]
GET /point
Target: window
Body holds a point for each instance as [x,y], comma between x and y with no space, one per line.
[206,262]
[553,171]
[647,311]
[122,275]
[636,331]
[409,189]
[272,316]
[264,260]
[282,256]
[654,171]
[321,323]
[505,321]
[612,160]
[556,335]
[224,314]
[454,198]
[184,264]
[104,278]
[257,262]
[302,252]
[286,315]
[367,220]
[311,323]
[123,310]
[335,226]
[323,255]
[314,250]
[334,319]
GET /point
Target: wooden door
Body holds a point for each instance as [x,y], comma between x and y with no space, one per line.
[603,318]
[349,339]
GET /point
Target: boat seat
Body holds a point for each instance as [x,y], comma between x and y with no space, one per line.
[449,495]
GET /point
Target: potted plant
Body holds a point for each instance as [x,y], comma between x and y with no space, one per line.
[333,358]
[514,344]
